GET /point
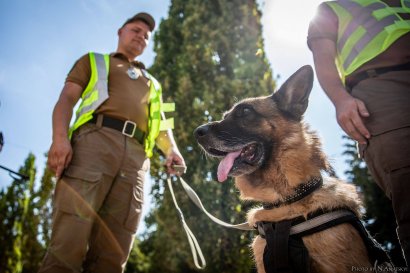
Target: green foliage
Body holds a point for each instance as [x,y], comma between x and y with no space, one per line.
[379,216]
[25,221]
[139,261]
[206,61]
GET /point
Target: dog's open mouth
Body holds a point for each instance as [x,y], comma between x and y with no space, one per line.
[235,161]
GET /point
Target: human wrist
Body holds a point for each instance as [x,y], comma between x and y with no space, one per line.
[339,96]
[172,149]
[60,137]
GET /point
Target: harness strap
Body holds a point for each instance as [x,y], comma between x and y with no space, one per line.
[317,223]
[285,252]
[322,222]
[276,253]
[331,219]
[375,250]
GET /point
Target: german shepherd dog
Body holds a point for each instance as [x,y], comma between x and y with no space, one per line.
[265,145]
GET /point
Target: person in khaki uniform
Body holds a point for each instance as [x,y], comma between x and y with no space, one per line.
[100,171]
[361,51]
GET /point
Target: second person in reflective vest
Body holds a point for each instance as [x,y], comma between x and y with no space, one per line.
[361,50]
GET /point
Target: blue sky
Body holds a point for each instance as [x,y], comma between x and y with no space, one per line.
[40,41]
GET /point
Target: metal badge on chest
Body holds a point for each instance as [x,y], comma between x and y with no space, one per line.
[133,73]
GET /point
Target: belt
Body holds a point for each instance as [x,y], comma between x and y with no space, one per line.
[127,128]
[371,73]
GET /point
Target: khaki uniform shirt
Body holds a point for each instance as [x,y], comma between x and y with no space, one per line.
[128,98]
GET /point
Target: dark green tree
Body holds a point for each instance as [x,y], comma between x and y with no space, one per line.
[139,261]
[379,217]
[25,220]
[210,54]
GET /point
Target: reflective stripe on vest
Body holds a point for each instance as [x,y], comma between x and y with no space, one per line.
[155,121]
[375,28]
[96,93]
[101,85]
[406,5]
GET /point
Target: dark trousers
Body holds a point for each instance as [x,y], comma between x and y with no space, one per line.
[387,153]
[388,159]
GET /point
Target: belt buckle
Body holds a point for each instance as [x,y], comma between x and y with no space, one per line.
[371,73]
[125,131]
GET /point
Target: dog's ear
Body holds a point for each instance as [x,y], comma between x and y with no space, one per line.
[293,96]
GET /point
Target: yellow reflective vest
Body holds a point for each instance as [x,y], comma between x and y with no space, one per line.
[374,28]
[96,93]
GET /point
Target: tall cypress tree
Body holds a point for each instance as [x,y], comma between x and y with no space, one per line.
[379,217]
[210,54]
[25,220]
[17,219]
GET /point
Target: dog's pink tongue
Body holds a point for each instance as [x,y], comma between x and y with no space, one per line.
[226,164]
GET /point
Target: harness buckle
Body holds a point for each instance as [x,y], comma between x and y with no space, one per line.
[129,128]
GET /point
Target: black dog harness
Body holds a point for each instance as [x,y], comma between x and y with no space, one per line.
[285,251]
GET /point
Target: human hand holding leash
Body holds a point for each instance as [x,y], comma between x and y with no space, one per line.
[175,163]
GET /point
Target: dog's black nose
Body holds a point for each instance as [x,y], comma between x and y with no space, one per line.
[201,131]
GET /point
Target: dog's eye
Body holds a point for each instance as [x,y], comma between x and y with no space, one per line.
[244,111]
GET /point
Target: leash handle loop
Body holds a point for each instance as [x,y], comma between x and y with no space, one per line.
[193,243]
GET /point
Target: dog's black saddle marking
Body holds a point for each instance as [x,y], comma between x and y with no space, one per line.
[285,251]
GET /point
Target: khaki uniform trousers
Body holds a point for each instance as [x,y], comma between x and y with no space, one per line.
[97,203]
[388,159]
[387,152]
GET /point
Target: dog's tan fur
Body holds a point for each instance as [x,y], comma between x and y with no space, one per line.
[296,157]
[334,250]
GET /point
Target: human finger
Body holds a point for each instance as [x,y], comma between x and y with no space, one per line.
[353,132]
[51,161]
[358,121]
[361,129]
[59,170]
[68,159]
[175,165]
[361,107]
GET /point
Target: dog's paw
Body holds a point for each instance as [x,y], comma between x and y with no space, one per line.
[252,216]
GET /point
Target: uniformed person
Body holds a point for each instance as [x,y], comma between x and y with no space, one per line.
[101,161]
[361,50]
